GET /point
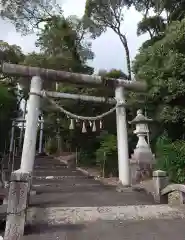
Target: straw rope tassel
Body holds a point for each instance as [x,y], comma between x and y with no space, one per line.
[94,127]
[72,125]
[101,124]
[84,128]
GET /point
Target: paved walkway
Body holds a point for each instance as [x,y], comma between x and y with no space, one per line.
[71,206]
[110,230]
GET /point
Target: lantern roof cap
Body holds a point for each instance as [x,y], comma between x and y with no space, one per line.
[140,118]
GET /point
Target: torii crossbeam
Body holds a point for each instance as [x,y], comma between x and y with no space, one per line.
[69,77]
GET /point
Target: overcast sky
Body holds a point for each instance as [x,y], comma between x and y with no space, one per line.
[109,52]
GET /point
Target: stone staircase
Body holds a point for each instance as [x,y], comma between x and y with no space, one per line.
[70,205]
[58,185]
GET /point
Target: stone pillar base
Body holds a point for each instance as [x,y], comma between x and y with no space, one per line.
[142,164]
[140,171]
[17,205]
[122,188]
[144,172]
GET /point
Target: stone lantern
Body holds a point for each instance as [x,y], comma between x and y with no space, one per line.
[142,159]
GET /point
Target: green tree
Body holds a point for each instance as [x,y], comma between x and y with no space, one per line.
[164,12]
[63,46]
[162,67]
[8,107]
[9,53]
[101,15]
[160,26]
[28,15]
[171,158]
[8,91]
[64,38]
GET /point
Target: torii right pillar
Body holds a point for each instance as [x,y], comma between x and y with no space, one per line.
[122,139]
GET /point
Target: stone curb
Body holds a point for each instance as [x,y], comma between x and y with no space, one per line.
[136,188]
[55,177]
[85,172]
[62,161]
[80,215]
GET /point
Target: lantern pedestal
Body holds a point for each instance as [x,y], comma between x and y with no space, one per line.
[142,163]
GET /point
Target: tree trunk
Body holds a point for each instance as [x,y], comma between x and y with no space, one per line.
[151,36]
[127,52]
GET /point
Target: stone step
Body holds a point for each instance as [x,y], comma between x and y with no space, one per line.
[58,178]
[46,158]
[57,188]
[83,215]
[52,167]
[82,198]
[51,160]
[153,229]
[42,156]
[67,180]
[57,172]
[98,227]
[49,164]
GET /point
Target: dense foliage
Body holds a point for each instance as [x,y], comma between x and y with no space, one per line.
[160,62]
[65,43]
[171,158]
[9,93]
[7,113]
[28,16]
[162,66]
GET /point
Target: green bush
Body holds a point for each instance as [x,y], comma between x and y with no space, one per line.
[171,158]
[86,158]
[106,155]
[51,146]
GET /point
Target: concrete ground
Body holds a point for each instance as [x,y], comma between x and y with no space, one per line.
[110,230]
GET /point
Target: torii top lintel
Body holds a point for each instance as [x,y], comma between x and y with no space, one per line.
[69,77]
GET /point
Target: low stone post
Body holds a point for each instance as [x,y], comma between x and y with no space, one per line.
[160,181]
[17,205]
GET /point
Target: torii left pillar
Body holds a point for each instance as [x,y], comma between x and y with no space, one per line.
[21,179]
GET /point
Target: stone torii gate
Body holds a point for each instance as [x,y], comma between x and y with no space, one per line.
[21,179]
